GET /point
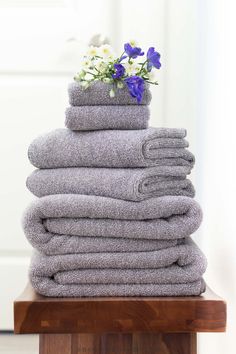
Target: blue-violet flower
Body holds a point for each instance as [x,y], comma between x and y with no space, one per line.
[135,86]
[153,59]
[132,52]
[119,71]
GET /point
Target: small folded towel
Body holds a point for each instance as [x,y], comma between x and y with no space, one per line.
[98,94]
[111,148]
[170,272]
[53,223]
[107,117]
[127,184]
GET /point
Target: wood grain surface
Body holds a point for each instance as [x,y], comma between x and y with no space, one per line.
[34,313]
[113,343]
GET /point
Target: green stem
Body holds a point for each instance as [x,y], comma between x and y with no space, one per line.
[88,72]
[121,56]
[97,70]
[140,71]
[153,83]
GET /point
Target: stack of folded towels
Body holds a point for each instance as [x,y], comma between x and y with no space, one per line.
[115,207]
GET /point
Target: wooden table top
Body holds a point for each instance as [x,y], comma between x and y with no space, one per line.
[34,313]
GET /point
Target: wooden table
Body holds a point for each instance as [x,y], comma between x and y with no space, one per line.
[122,325]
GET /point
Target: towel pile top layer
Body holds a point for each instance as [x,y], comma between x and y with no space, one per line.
[115,207]
[98,95]
[94,109]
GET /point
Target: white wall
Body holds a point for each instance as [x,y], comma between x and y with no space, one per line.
[217,107]
[41,44]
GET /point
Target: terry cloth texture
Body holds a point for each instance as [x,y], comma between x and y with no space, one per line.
[107,117]
[173,271]
[127,184]
[98,94]
[111,148]
[53,223]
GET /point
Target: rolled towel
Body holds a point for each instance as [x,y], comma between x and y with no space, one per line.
[127,184]
[111,148]
[107,117]
[53,223]
[170,272]
[98,94]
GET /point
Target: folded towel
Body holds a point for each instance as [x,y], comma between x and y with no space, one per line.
[111,148]
[53,223]
[98,94]
[107,117]
[128,184]
[78,244]
[170,272]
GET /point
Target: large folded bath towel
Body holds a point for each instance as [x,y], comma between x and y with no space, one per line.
[98,94]
[128,184]
[170,272]
[78,244]
[111,148]
[107,117]
[53,223]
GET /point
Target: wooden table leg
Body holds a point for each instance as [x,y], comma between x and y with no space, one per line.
[118,343]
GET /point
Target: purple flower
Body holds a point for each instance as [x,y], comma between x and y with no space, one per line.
[119,71]
[132,52]
[135,86]
[153,59]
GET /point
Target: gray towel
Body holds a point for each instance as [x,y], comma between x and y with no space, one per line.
[111,148]
[53,223]
[98,94]
[170,272]
[107,117]
[78,244]
[128,184]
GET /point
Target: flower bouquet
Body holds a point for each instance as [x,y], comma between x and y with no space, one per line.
[101,64]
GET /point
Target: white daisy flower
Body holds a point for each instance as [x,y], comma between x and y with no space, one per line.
[80,76]
[88,77]
[131,68]
[86,64]
[106,52]
[92,51]
[101,66]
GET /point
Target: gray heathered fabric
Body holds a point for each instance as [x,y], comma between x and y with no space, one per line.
[48,287]
[127,184]
[107,117]
[189,267]
[51,222]
[78,244]
[98,94]
[111,148]
[173,271]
